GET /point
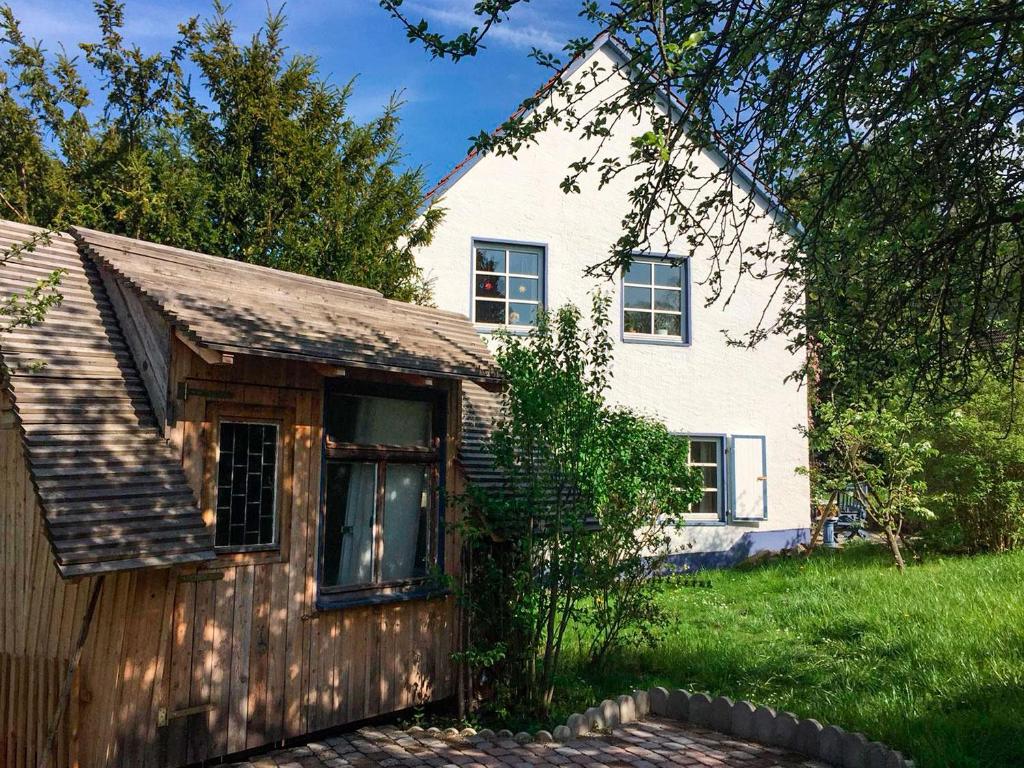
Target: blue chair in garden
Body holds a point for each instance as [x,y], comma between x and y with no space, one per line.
[852,517]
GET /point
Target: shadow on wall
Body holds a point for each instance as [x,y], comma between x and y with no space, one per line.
[749,544]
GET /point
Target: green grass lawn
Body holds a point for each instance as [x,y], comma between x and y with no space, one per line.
[930,662]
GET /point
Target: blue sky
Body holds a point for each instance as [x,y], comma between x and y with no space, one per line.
[445,103]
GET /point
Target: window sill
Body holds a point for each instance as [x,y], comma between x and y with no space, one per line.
[333,602]
[661,342]
[490,330]
[703,523]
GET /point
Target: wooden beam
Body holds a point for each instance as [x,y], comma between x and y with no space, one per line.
[211,356]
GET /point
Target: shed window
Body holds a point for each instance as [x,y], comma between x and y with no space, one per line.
[246,485]
[380,508]
[707,454]
[654,300]
[508,285]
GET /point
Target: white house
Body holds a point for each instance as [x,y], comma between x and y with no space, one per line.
[512,241]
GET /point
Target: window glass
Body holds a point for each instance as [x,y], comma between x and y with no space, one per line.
[246,513]
[406,511]
[638,298]
[508,284]
[523,289]
[668,274]
[378,421]
[652,298]
[379,522]
[490,312]
[637,322]
[522,314]
[524,262]
[490,260]
[706,455]
[669,300]
[639,272]
[349,518]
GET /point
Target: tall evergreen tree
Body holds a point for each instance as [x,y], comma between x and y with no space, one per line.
[231,148]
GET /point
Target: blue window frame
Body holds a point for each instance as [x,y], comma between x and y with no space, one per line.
[656,300]
[707,453]
[508,283]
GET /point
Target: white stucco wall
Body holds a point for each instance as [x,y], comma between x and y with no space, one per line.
[706,387]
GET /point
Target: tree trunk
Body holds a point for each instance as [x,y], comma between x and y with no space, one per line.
[894,547]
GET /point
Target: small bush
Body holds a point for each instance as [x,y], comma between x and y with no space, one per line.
[976,480]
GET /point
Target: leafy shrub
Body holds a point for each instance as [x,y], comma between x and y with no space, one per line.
[976,479]
[590,494]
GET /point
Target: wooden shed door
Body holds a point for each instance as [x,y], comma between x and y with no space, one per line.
[190,715]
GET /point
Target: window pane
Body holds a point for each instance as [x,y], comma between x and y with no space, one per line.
[523,289]
[522,314]
[489,286]
[378,420]
[639,272]
[637,322]
[637,298]
[710,477]
[667,325]
[490,260]
[708,505]
[349,516]
[666,298]
[492,312]
[703,451]
[406,521]
[246,485]
[524,262]
[668,274]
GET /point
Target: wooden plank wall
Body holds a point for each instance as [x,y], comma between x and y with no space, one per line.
[245,651]
[251,645]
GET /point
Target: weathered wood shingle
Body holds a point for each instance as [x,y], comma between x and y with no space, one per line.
[112,492]
[233,307]
[480,411]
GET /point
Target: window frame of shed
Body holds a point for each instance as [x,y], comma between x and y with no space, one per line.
[434,456]
[283,418]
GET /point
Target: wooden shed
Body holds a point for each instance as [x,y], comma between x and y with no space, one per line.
[223,505]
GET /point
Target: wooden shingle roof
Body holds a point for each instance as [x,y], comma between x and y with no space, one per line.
[112,492]
[480,411]
[233,307]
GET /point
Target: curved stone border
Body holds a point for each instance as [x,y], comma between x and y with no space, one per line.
[741,719]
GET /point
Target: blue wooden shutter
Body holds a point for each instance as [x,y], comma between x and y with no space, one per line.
[748,473]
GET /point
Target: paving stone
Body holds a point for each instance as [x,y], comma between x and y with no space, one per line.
[595,719]
[609,713]
[855,750]
[700,710]
[830,744]
[721,714]
[808,737]
[653,743]
[876,755]
[578,724]
[627,709]
[764,725]
[743,720]
[784,733]
[659,701]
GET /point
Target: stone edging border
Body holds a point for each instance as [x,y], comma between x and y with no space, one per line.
[741,719]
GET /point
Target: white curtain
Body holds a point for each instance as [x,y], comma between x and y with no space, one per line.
[405,509]
[356,563]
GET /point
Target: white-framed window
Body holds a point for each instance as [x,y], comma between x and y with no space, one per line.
[654,300]
[508,283]
[707,453]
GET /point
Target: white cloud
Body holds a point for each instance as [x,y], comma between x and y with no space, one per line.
[526,27]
